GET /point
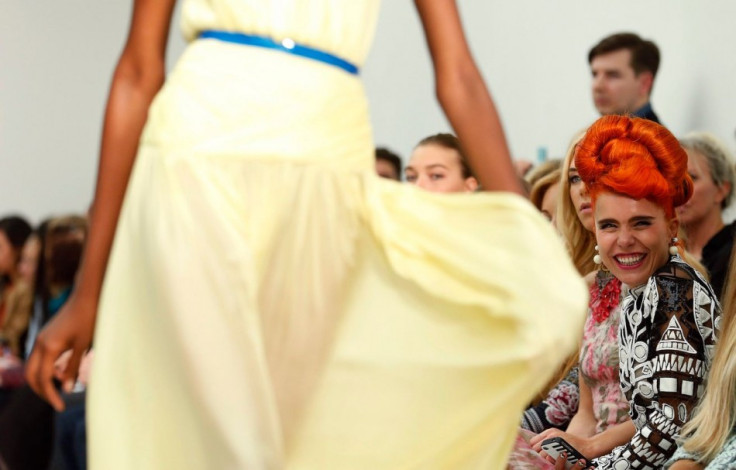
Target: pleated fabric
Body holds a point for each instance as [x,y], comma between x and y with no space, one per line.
[271,303]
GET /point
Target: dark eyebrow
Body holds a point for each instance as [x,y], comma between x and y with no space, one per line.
[571,169]
[640,218]
[437,165]
[607,221]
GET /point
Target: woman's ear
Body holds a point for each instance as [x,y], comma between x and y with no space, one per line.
[674,227]
[723,190]
[471,184]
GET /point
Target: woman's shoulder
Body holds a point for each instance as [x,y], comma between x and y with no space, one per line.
[677,271]
[676,268]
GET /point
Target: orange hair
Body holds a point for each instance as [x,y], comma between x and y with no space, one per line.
[636,158]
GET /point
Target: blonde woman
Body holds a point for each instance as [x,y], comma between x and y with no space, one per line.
[710,440]
[600,419]
[545,193]
[574,215]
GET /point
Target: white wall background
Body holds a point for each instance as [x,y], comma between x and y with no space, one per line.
[57,57]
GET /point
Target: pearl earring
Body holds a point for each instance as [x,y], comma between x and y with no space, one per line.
[597,258]
[673,247]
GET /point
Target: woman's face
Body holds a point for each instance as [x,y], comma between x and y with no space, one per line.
[29,259]
[438,169]
[633,236]
[8,256]
[580,198]
[549,203]
[707,196]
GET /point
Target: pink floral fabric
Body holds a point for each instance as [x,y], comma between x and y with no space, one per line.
[599,364]
[599,368]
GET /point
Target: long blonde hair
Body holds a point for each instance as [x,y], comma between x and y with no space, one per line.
[714,420]
[579,240]
[580,244]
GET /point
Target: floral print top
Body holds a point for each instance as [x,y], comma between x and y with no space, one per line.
[599,360]
[557,409]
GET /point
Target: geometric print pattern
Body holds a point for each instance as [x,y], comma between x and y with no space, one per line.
[667,334]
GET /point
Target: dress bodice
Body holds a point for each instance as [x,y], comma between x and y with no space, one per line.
[343,28]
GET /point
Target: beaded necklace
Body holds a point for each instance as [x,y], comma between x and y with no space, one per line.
[605,295]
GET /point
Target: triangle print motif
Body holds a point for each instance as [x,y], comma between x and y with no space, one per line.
[673,339]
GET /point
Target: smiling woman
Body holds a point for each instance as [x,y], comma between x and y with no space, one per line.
[636,173]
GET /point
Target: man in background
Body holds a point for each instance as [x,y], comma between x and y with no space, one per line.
[624,67]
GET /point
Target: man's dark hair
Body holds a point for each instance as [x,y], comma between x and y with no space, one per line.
[382,153]
[644,53]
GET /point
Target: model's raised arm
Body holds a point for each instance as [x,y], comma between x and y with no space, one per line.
[138,76]
[464,97]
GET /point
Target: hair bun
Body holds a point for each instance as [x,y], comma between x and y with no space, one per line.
[635,157]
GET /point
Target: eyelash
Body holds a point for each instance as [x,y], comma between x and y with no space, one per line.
[575,179]
[641,223]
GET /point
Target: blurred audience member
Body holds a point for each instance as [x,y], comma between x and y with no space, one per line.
[388,164]
[541,170]
[26,421]
[29,259]
[15,295]
[523,167]
[711,167]
[438,164]
[623,67]
[545,194]
[61,243]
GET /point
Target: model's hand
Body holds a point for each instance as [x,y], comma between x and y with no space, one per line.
[70,330]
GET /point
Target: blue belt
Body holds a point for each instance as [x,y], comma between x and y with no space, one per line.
[287,45]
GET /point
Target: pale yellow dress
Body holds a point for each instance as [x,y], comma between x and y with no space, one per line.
[271,303]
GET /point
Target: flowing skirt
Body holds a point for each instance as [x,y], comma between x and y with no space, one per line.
[271,303]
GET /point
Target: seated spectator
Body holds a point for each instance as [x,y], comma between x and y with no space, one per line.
[594,403]
[636,173]
[388,164]
[541,170]
[438,164]
[15,295]
[27,422]
[61,243]
[711,167]
[545,194]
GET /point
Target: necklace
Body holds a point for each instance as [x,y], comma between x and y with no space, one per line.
[605,294]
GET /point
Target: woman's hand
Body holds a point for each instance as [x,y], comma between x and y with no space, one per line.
[562,459]
[686,465]
[70,330]
[580,444]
